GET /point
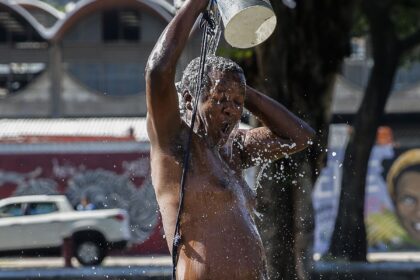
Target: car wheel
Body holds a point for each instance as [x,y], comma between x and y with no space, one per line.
[89,252]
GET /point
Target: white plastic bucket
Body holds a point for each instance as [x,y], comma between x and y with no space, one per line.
[247,22]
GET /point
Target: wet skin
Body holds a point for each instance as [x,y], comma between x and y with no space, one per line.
[219,236]
[408,202]
[217,227]
[221,107]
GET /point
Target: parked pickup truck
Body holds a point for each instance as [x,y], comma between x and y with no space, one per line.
[38,224]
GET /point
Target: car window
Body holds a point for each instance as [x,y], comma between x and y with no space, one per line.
[39,208]
[11,210]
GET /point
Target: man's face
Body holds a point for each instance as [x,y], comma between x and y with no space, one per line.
[221,106]
[408,202]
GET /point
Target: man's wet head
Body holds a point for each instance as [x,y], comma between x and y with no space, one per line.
[214,65]
[222,99]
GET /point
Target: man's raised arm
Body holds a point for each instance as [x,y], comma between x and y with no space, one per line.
[163,117]
[283,132]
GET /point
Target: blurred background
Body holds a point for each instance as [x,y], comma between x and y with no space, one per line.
[72,109]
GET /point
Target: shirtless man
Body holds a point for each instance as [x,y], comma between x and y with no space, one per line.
[219,236]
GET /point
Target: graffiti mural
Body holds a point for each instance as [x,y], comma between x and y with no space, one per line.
[28,183]
[392,196]
[108,180]
[398,227]
[106,189]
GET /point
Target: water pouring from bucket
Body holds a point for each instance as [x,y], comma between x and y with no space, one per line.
[247,23]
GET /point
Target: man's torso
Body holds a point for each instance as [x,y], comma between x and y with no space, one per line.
[219,236]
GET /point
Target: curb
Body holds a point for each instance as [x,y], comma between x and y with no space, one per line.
[109,273]
[367,271]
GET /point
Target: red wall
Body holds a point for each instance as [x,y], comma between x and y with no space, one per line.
[118,178]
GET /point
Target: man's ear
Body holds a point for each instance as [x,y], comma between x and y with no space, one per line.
[188,100]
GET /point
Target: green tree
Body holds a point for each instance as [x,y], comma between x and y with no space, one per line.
[59,5]
[298,66]
[394,31]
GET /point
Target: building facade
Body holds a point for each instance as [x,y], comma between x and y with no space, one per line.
[88,62]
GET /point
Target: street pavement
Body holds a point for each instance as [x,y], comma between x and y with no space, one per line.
[57,262]
[160,261]
[383,266]
[113,268]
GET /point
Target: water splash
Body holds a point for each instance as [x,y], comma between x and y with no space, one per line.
[229,143]
[260,174]
[214,40]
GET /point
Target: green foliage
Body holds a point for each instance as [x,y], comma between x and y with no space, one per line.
[360,25]
[407,60]
[236,54]
[405,15]
[55,4]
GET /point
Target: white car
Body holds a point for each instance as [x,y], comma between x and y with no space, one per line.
[38,224]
